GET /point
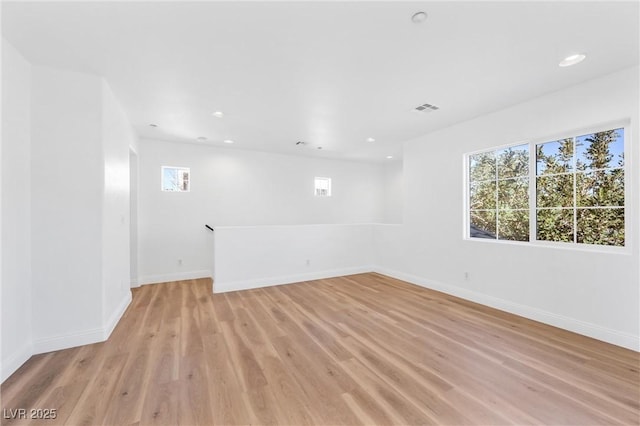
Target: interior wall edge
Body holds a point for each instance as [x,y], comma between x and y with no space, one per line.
[113,320]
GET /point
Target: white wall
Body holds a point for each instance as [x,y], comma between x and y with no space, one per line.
[80,209]
[590,292]
[133,217]
[65,211]
[392,192]
[258,256]
[231,187]
[66,196]
[16,210]
[117,137]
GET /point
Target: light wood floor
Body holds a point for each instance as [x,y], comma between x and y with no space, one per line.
[363,349]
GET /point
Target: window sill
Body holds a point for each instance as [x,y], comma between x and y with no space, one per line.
[556,245]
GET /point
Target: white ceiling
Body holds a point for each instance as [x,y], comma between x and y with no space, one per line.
[328,73]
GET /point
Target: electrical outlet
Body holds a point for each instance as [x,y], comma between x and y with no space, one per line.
[466,276]
[180,262]
[308,262]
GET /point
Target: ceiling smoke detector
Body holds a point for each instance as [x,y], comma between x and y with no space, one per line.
[425,108]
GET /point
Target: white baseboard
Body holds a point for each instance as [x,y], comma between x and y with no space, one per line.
[66,341]
[19,357]
[615,337]
[288,279]
[85,337]
[116,315]
[178,276]
[134,283]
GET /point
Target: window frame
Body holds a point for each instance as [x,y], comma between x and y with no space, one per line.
[532,143]
[179,168]
[315,187]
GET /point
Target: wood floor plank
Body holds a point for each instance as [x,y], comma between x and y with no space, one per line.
[64,399]
[292,405]
[41,384]
[438,366]
[421,393]
[315,383]
[227,405]
[16,384]
[94,404]
[403,410]
[194,401]
[161,404]
[362,349]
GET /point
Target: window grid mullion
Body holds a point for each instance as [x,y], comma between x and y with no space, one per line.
[575,190]
[497,207]
[533,184]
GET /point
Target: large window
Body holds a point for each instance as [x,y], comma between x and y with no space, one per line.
[577,191]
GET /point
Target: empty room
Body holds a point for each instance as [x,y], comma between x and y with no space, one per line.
[320,213]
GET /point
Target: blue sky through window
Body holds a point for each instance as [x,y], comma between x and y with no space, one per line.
[552,149]
[169,179]
[616,148]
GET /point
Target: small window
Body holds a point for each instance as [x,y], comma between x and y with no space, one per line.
[175,179]
[323,187]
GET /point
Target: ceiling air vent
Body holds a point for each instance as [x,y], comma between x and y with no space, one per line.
[425,108]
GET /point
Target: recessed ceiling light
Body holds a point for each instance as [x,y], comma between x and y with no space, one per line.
[153,125]
[218,114]
[419,17]
[389,157]
[227,141]
[319,147]
[202,139]
[572,60]
[371,140]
